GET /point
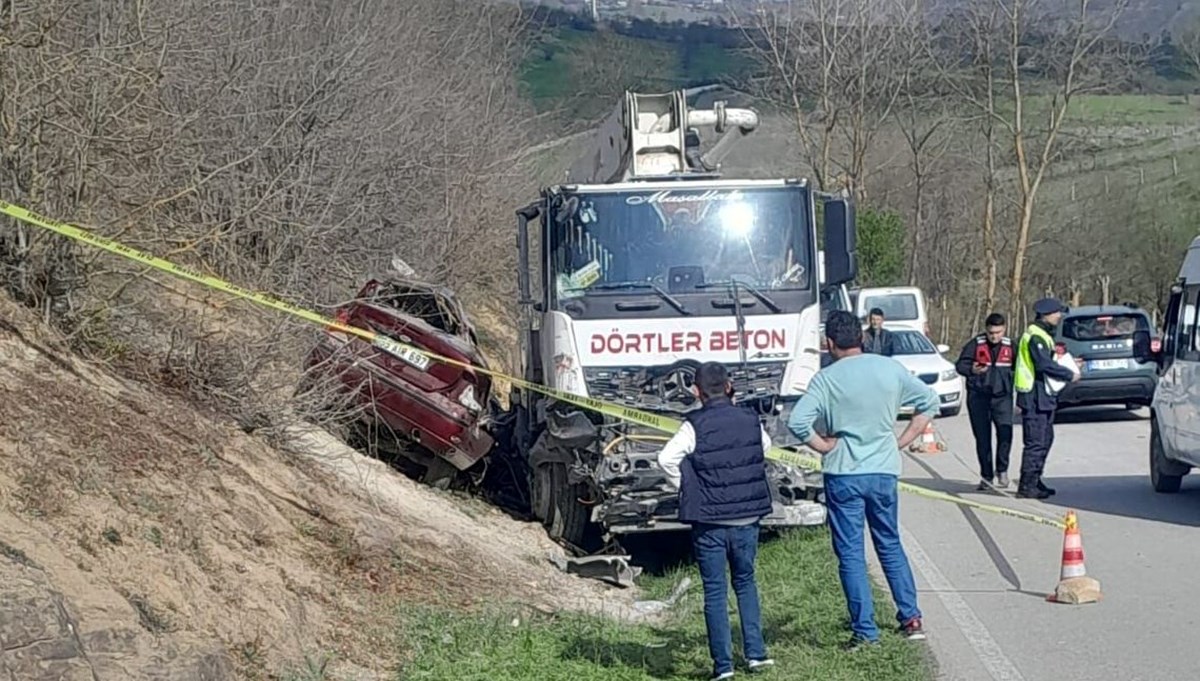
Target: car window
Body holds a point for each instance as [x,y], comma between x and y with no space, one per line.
[831,299]
[421,303]
[911,343]
[1104,327]
[896,306]
[1185,344]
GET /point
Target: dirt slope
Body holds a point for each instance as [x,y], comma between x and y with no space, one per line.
[143,539]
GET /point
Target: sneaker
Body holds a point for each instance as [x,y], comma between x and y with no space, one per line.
[760,665]
[1002,480]
[1049,491]
[723,676]
[984,485]
[857,643]
[912,630]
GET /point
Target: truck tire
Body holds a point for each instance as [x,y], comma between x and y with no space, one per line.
[569,521]
[541,493]
[1165,475]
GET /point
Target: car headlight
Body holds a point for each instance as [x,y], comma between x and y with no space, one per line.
[467,399]
[949,375]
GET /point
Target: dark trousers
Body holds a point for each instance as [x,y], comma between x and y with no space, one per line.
[735,546]
[987,411]
[1037,436]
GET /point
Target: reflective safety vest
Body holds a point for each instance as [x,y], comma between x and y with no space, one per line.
[1003,355]
[1023,374]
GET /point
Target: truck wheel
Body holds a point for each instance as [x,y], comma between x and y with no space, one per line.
[540,493]
[1165,475]
[569,519]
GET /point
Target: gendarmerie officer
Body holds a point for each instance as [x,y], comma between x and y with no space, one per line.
[986,361]
[1035,363]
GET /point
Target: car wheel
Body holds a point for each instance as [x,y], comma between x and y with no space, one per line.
[1165,475]
[439,474]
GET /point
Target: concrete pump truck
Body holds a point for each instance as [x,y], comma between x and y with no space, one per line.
[643,264]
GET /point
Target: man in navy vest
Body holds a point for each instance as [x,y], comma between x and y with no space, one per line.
[717,460]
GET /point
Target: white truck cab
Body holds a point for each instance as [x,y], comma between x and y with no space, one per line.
[1175,407]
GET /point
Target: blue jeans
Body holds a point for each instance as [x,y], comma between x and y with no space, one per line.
[737,546]
[851,499]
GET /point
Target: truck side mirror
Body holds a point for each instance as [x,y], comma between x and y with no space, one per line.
[1142,351]
[841,248]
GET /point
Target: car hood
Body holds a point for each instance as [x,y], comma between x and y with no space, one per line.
[924,364]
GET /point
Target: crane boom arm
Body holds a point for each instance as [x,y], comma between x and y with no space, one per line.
[655,135]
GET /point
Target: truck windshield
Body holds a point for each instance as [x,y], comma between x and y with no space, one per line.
[681,239]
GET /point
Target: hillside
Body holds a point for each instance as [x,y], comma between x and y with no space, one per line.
[142,538]
[1141,17]
[1116,196]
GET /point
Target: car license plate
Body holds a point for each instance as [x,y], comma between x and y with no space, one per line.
[1107,364]
[402,351]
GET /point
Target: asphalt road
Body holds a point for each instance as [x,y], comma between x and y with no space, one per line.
[984,578]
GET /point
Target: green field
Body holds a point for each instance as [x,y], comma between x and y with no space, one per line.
[804,617]
[580,72]
[1118,110]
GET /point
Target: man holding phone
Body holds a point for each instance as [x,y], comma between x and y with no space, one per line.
[986,361]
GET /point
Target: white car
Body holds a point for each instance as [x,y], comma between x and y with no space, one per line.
[918,354]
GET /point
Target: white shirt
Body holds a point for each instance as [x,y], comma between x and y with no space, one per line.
[682,444]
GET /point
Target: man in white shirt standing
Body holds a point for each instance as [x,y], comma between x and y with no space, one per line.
[717,460]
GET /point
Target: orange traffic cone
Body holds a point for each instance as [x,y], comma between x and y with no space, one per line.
[1074,586]
[928,444]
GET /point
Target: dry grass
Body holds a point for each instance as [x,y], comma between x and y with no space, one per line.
[150,513]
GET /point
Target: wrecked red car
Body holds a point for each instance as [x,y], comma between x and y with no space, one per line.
[430,412]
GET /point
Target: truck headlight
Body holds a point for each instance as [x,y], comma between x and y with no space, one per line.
[948,375]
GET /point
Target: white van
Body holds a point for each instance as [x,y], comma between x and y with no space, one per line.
[903,307]
[1174,426]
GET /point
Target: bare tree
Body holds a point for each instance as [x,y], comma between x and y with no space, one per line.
[287,146]
[1032,59]
[926,119]
[834,66]
[1187,41]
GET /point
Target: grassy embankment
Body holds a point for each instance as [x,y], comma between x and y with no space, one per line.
[803,611]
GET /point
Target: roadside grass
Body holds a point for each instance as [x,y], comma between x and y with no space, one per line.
[804,618]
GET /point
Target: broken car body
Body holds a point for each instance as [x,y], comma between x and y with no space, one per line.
[430,412]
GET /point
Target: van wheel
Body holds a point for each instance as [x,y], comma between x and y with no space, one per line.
[1165,475]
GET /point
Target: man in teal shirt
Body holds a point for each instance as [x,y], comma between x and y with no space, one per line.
[849,416]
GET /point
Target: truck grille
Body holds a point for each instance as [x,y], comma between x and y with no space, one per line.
[669,388]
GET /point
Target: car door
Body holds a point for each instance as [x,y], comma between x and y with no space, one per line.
[1180,389]
[1188,412]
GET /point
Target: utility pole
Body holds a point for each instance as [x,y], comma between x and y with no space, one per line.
[595,12]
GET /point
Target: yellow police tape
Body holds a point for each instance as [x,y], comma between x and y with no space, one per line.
[389,345]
